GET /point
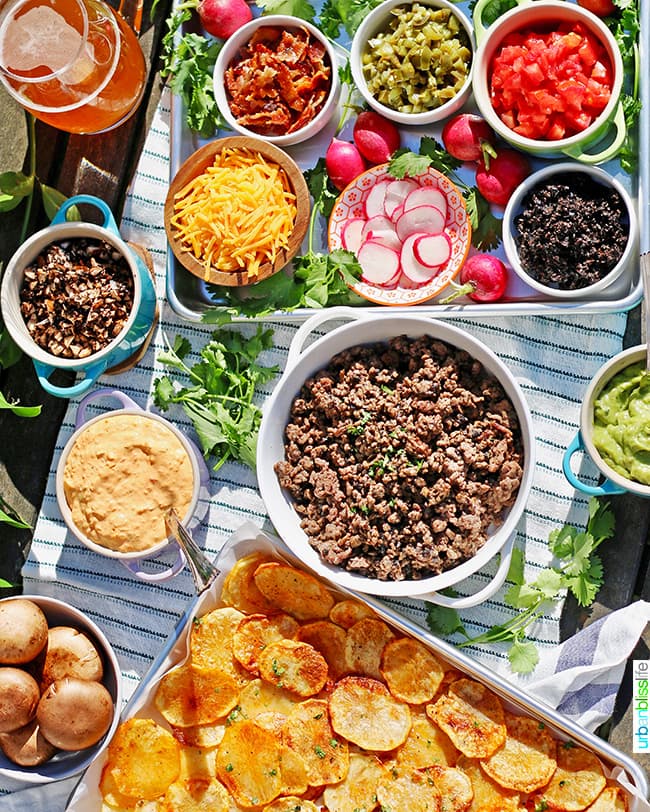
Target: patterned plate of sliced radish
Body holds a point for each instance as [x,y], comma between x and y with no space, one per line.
[411,235]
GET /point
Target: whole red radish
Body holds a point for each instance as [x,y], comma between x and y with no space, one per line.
[375,136]
[483,278]
[465,136]
[343,162]
[601,8]
[221,18]
[498,177]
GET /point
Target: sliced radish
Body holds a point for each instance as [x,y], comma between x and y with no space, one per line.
[374,203]
[426,196]
[421,220]
[397,213]
[411,268]
[379,264]
[396,193]
[387,238]
[432,250]
[351,234]
[377,225]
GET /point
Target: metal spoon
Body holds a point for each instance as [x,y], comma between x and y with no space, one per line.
[645,278]
[203,570]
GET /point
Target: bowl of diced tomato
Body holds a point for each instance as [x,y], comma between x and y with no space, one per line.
[548,78]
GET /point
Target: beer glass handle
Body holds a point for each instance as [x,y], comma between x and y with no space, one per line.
[109,220]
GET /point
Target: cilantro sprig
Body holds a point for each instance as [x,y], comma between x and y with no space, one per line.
[219,397]
[486,228]
[626,27]
[579,572]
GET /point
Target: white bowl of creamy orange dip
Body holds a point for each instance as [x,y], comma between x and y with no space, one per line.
[119,474]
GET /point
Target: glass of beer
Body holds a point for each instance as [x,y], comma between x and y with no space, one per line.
[74,64]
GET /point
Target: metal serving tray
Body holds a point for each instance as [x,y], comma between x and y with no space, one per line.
[190,297]
[248,539]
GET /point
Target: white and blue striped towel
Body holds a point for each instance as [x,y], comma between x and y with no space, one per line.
[553,357]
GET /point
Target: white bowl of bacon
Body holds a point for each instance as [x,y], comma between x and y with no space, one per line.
[295,66]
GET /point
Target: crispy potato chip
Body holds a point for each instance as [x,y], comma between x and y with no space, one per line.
[211,642]
[190,696]
[295,666]
[240,590]
[578,780]
[248,764]
[526,760]
[255,632]
[611,799]
[293,590]
[262,697]
[270,720]
[488,795]
[472,717]
[358,790]
[454,786]
[295,780]
[329,640]
[197,763]
[347,612]
[113,798]
[414,791]
[364,712]
[144,759]
[412,672]
[197,795]
[140,806]
[364,645]
[309,733]
[291,803]
[425,745]
[200,735]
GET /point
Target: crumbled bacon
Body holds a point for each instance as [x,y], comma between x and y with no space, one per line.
[279,81]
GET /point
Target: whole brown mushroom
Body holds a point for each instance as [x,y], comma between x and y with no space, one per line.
[70,653]
[75,713]
[23,631]
[26,746]
[19,695]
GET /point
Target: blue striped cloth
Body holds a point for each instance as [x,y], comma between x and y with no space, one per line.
[553,358]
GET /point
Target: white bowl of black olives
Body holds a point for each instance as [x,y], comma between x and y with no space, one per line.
[570,231]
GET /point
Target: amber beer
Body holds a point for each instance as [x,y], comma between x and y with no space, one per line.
[74,64]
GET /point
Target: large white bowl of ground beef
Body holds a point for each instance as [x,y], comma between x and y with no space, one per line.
[396,453]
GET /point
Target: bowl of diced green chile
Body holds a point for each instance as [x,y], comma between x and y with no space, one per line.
[412,61]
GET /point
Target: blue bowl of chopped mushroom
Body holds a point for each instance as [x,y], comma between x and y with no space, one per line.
[570,231]
[413,61]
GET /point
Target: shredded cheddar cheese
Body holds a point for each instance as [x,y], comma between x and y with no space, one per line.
[237,215]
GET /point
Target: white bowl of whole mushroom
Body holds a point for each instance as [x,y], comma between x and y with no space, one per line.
[60,689]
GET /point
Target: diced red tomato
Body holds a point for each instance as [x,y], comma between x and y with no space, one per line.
[550,84]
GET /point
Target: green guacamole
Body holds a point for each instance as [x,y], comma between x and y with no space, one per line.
[622,423]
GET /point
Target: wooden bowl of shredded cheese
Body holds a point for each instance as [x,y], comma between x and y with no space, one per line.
[237,211]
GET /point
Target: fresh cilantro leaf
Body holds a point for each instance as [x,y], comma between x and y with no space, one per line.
[584,585]
[583,546]
[321,188]
[601,523]
[561,541]
[493,10]
[444,620]
[405,163]
[522,596]
[523,657]
[440,158]
[346,14]
[295,8]
[549,582]
[486,227]
[516,569]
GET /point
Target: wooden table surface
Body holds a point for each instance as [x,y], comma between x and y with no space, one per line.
[103,165]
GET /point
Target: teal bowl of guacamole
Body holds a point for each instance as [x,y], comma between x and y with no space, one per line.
[615,427]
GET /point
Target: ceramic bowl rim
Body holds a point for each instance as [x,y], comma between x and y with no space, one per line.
[512,208]
[27,253]
[79,619]
[367,330]
[492,38]
[239,38]
[371,23]
[64,508]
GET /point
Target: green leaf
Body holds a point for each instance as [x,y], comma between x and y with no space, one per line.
[19,411]
[14,188]
[443,620]
[487,229]
[561,541]
[52,202]
[405,163]
[493,10]
[10,352]
[516,569]
[321,188]
[5,584]
[522,596]
[549,582]
[295,8]
[586,584]
[523,657]
[602,521]
[19,523]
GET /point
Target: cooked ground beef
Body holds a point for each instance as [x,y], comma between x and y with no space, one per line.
[400,456]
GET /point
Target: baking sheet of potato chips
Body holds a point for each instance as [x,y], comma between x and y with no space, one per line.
[296,694]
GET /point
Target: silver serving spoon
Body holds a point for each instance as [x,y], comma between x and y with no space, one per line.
[203,570]
[645,278]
